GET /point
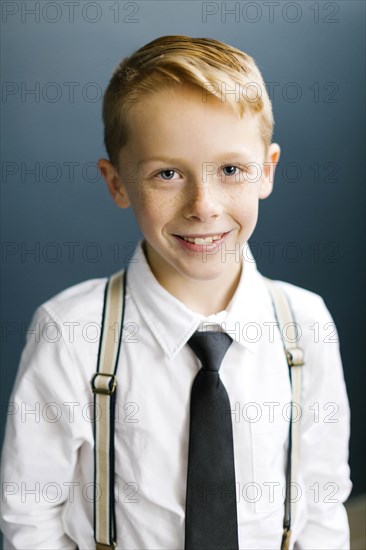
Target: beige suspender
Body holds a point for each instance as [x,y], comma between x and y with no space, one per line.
[104,384]
[295,361]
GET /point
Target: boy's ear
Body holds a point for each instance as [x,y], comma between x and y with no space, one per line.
[114,184]
[268,170]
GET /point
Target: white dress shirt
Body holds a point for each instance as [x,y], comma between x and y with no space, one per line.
[47,460]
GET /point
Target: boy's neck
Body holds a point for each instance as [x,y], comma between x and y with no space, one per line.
[205,297]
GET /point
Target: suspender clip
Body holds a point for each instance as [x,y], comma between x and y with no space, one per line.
[295,357]
[105,385]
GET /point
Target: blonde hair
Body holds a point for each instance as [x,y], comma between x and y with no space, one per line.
[176,59]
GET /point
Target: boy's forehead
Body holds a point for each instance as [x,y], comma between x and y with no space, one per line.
[181,99]
[175,122]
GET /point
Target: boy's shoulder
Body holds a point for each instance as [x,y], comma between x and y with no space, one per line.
[81,300]
[307,306]
[316,330]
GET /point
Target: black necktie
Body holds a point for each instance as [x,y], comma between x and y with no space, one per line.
[211,516]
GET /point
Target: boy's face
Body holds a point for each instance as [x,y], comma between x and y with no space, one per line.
[177,173]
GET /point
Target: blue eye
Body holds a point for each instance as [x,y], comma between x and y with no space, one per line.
[171,172]
[232,173]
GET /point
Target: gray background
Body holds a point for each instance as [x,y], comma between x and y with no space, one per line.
[310,231]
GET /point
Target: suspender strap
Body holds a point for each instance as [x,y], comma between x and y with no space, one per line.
[294,355]
[104,385]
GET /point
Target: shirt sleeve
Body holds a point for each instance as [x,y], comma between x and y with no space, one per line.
[325,430]
[41,443]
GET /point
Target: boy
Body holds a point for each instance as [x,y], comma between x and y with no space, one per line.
[188,127]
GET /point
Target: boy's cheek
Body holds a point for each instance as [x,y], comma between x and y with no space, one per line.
[148,218]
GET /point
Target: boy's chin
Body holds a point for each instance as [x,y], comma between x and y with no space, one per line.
[211,273]
[200,268]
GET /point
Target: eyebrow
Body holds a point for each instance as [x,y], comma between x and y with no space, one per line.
[238,154]
[158,159]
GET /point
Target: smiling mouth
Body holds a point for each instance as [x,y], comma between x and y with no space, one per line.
[202,239]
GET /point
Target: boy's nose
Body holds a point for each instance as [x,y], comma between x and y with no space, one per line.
[203,202]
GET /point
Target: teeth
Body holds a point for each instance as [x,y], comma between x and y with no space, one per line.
[199,240]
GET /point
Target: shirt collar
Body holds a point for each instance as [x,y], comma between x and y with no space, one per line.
[172,323]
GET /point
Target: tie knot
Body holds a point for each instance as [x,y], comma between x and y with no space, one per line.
[210,347]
